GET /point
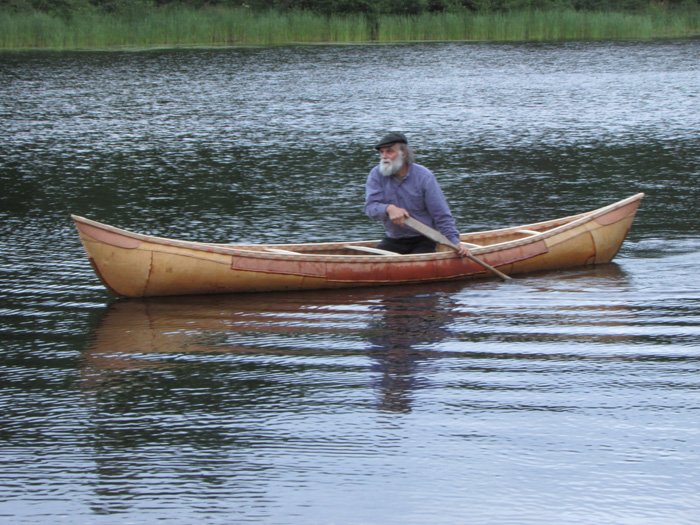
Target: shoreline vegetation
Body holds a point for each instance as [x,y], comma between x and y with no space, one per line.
[182,25]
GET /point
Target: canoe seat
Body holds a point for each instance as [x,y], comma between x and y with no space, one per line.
[280,251]
[367,249]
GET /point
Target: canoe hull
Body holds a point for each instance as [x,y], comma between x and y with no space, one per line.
[136,265]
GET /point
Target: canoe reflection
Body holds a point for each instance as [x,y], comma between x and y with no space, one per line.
[160,333]
[305,339]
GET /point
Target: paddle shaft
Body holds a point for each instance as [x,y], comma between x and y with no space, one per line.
[436,236]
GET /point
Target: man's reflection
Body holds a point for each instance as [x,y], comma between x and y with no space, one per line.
[407,323]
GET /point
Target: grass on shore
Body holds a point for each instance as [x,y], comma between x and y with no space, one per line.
[220,27]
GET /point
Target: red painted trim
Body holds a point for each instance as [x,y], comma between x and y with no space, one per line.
[113,239]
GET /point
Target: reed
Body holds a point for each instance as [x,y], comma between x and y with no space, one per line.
[218,26]
[540,26]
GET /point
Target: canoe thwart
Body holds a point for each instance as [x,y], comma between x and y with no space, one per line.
[282,252]
[367,249]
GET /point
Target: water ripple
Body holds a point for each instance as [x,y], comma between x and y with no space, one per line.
[571,395]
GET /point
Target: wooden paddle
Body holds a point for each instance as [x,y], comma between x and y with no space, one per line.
[436,236]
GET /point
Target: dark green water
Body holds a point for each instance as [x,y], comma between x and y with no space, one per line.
[569,397]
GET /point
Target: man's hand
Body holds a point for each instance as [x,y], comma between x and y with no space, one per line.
[463,250]
[396,215]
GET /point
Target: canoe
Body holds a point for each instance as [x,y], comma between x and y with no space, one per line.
[138,265]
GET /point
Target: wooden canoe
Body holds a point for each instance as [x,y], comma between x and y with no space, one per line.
[137,265]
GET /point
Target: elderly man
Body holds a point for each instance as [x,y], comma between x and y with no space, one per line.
[398,188]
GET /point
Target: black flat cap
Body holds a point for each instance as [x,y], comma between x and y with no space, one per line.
[390,139]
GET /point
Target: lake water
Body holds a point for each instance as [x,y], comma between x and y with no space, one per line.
[570,397]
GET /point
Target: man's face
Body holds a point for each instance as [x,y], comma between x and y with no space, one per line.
[391,160]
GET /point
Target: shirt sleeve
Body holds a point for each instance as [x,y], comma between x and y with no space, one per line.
[375,208]
[440,211]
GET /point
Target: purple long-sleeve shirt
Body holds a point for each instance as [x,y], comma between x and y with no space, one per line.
[418,192]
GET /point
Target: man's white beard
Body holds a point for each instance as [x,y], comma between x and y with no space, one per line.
[388,168]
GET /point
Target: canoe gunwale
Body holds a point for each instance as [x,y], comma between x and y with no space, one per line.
[574,222]
[257,251]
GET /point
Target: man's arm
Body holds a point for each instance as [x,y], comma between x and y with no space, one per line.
[375,207]
[440,211]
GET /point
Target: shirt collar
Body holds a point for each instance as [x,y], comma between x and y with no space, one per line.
[408,172]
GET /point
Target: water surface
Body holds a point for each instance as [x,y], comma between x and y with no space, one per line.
[566,397]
